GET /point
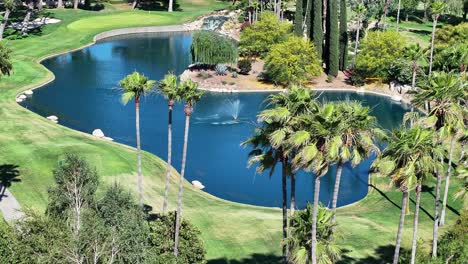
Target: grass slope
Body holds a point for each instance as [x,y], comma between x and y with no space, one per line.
[233,233]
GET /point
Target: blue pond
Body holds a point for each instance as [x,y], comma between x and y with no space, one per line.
[84,97]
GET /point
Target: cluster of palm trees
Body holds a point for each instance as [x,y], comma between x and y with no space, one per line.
[134,87]
[301,133]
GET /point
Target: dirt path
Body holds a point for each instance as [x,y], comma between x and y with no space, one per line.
[10,207]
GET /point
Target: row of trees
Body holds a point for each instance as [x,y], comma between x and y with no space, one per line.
[80,226]
[134,87]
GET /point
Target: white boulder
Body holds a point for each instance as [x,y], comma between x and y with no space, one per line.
[28,92]
[22,96]
[108,138]
[19,100]
[52,118]
[397,98]
[198,185]
[98,133]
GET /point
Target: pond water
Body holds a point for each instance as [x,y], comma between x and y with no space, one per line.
[84,97]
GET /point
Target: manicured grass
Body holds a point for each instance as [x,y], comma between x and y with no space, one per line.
[230,230]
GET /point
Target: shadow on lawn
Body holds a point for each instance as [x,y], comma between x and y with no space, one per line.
[252,259]
[381,255]
[385,196]
[9,174]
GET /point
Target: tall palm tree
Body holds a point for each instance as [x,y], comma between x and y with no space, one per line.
[190,94]
[360,11]
[409,158]
[169,89]
[437,8]
[299,240]
[353,141]
[414,53]
[134,86]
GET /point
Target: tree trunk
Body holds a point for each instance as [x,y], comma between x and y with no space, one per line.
[293,194]
[171,3]
[425,11]
[415,223]
[398,15]
[140,176]
[324,14]
[39,4]
[406,17]
[134,4]
[60,4]
[357,42]
[75,4]
[436,216]
[306,25]
[434,25]
[447,182]
[169,156]
[336,190]
[4,22]
[181,186]
[413,81]
[313,248]
[285,208]
[400,228]
[384,20]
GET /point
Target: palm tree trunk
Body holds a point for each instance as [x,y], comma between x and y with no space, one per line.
[285,208]
[27,17]
[415,223]
[181,187]
[293,194]
[447,182]
[4,22]
[413,81]
[434,25]
[398,15]
[357,41]
[384,20]
[425,11]
[313,248]
[140,176]
[134,4]
[75,4]
[336,190]
[169,156]
[171,3]
[60,4]
[436,216]
[400,228]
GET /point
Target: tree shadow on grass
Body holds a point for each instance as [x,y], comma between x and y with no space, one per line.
[384,195]
[381,255]
[431,191]
[9,174]
[252,259]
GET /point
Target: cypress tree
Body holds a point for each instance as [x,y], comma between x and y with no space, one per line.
[332,41]
[308,15]
[299,19]
[317,29]
[343,36]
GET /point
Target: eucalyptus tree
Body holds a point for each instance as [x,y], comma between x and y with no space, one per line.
[437,8]
[133,87]
[188,91]
[353,141]
[360,11]
[170,90]
[312,142]
[409,158]
[414,53]
[398,15]
[9,5]
[5,60]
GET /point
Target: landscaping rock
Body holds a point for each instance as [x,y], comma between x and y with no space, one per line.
[28,92]
[18,100]
[397,98]
[52,118]
[22,96]
[198,185]
[108,138]
[98,133]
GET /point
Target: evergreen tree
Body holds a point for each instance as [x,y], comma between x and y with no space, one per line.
[316,26]
[299,18]
[343,36]
[332,39]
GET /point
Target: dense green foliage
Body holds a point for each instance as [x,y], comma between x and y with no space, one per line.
[343,36]
[299,18]
[5,60]
[379,50]
[244,65]
[211,48]
[316,26]
[332,55]
[293,61]
[449,35]
[258,39]
[400,71]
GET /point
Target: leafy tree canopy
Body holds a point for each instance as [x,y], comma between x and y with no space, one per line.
[209,47]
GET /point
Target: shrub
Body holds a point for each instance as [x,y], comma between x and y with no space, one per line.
[401,71]
[450,35]
[379,50]
[221,69]
[204,75]
[356,78]
[244,66]
[257,39]
[234,75]
[211,48]
[293,61]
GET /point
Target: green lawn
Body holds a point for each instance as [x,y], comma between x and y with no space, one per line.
[231,231]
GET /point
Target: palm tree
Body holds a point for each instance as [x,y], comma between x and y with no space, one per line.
[398,15]
[409,158]
[414,53]
[190,94]
[360,11]
[169,89]
[299,240]
[9,6]
[437,8]
[134,86]
[353,141]
[170,7]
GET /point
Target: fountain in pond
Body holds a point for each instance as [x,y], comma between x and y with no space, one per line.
[233,108]
[228,113]
[213,22]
